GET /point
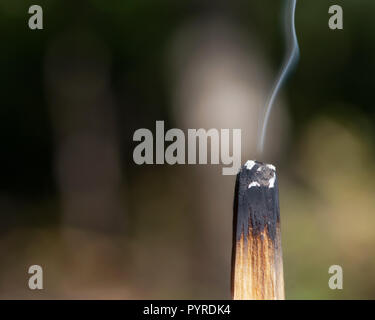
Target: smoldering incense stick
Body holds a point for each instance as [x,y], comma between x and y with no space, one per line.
[257,266]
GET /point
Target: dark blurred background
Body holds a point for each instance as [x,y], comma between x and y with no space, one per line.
[73,201]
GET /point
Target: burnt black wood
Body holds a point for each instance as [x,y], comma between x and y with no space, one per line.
[256,209]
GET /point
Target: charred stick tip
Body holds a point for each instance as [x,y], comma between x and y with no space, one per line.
[256,200]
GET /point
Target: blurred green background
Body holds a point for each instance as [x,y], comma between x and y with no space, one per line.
[73,201]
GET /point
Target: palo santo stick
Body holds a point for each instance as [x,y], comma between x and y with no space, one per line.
[257,265]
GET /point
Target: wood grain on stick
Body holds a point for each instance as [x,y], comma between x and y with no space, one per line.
[257,266]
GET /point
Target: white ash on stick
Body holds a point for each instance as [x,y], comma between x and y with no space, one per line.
[257,265]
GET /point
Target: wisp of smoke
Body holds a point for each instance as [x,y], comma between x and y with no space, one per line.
[291,59]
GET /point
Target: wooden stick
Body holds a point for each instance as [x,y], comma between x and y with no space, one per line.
[257,266]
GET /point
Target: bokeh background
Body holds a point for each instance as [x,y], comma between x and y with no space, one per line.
[73,201]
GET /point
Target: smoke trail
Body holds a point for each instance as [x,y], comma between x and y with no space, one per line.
[290,61]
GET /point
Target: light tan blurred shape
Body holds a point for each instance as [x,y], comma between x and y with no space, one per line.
[221,80]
